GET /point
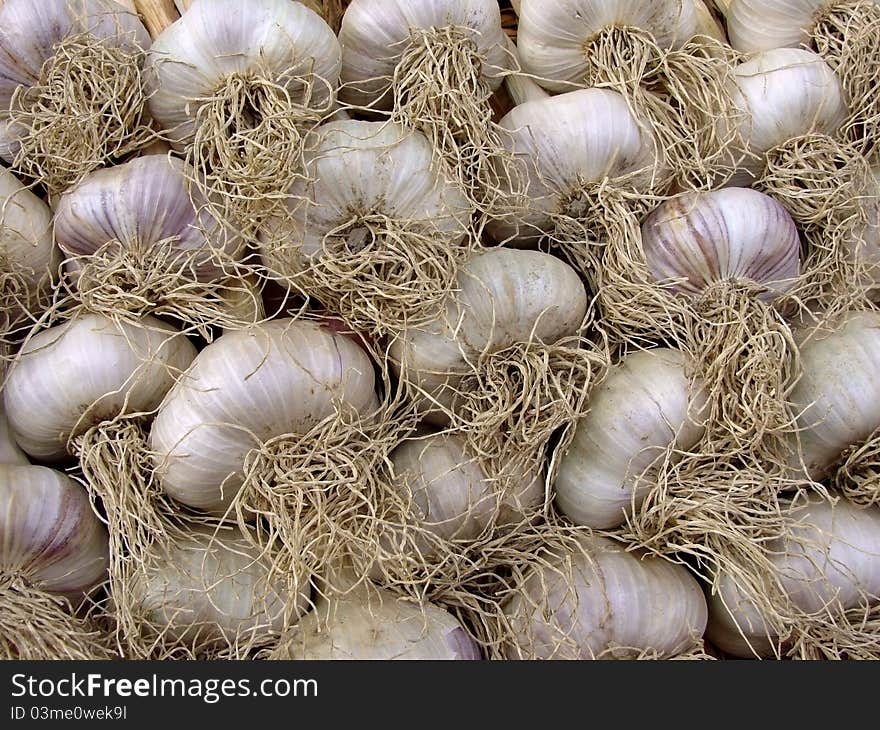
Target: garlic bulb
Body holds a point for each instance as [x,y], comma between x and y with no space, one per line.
[595,600]
[370,623]
[375,35]
[554,38]
[699,240]
[28,256]
[210,590]
[71,89]
[787,93]
[434,66]
[571,146]
[826,564]
[845,34]
[54,548]
[244,389]
[9,451]
[511,308]
[835,397]
[139,242]
[234,87]
[375,231]
[452,496]
[645,405]
[86,371]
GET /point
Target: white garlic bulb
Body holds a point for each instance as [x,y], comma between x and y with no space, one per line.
[645,405]
[142,206]
[216,42]
[504,297]
[376,33]
[785,93]
[245,388]
[211,588]
[375,230]
[836,396]
[828,562]
[85,371]
[49,532]
[452,497]
[599,601]
[84,117]
[27,251]
[370,623]
[568,143]
[553,38]
[734,234]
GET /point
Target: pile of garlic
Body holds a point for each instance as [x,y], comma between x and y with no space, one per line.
[439,329]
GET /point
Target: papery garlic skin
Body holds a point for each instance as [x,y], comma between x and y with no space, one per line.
[247,387]
[29,31]
[214,585]
[505,297]
[452,496]
[355,169]
[836,397]
[552,36]
[49,533]
[565,143]
[828,562]
[375,33]
[644,405]
[9,451]
[89,366]
[604,602]
[26,245]
[139,204]
[281,40]
[785,93]
[732,234]
[370,623]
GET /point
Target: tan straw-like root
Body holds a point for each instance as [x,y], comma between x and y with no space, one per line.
[116,463]
[683,96]
[838,635]
[858,475]
[515,400]
[439,89]
[381,275]
[87,110]
[38,626]
[824,183]
[163,281]
[20,301]
[847,36]
[246,151]
[313,498]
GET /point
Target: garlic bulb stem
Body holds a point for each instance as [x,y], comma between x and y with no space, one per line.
[157,14]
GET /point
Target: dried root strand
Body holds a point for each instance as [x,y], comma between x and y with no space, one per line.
[38,626]
[847,36]
[87,110]
[683,96]
[858,475]
[837,636]
[379,274]
[246,151]
[315,496]
[439,89]
[163,281]
[824,184]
